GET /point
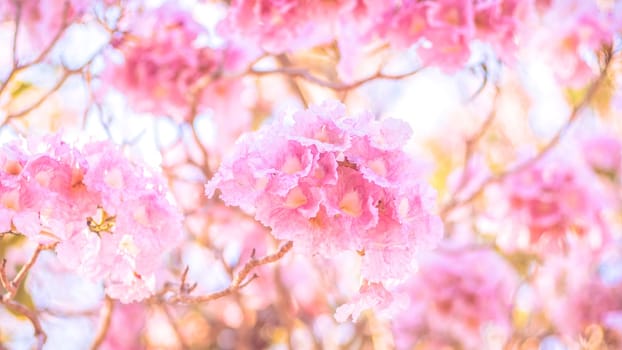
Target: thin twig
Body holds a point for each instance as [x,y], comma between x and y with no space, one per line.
[32,317]
[175,326]
[470,144]
[104,325]
[284,60]
[305,74]
[13,286]
[6,284]
[18,17]
[240,280]
[592,89]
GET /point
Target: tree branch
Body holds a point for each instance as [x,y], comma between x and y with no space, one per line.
[591,91]
[238,282]
[305,74]
[104,324]
[32,317]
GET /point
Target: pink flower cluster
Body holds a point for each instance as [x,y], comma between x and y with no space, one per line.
[457,294]
[334,183]
[574,282]
[444,29]
[553,198]
[108,218]
[163,63]
[281,25]
[573,29]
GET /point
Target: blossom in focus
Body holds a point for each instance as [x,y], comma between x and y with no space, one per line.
[107,217]
[333,183]
[454,297]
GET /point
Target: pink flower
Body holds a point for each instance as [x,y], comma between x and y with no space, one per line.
[333,183]
[553,198]
[456,293]
[573,282]
[162,62]
[280,25]
[372,296]
[110,217]
[603,153]
[573,29]
[126,325]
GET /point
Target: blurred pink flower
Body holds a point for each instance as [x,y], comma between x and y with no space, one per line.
[281,25]
[603,153]
[553,198]
[126,325]
[454,296]
[162,62]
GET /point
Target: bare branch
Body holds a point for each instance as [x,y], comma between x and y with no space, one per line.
[32,317]
[104,324]
[591,91]
[18,17]
[239,281]
[175,326]
[6,284]
[13,286]
[305,74]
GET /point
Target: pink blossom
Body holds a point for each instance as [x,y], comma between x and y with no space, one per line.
[374,296]
[109,217]
[280,25]
[126,325]
[572,282]
[603,153]
[553,198]
[456,293]
[330,187]
[572,30]
[162,62]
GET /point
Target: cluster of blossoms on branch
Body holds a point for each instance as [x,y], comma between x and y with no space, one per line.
[164,66]
[441,32]
[106,217]
[333,183]
[520,249]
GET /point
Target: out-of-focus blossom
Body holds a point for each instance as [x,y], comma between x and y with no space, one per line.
[162,62]
[126,325]
[166,70]
[551,199]
[455,296]
[603,153]
[281,25]
[109,217]
[571,32]
[572,282]
[334,183]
